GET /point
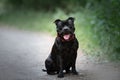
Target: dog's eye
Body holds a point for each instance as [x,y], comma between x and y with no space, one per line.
[60,28]
[71,27]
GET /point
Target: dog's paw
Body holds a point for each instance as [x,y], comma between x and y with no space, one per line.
[60,75]
[68,72]
[50,73]
[75,72]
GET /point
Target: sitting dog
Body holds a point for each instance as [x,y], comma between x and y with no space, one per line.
[64,51]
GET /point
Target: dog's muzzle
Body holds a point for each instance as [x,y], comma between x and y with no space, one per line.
[66,37]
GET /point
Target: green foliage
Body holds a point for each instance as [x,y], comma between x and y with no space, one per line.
[32,4]
[27,20]
[97,21]
[111,15]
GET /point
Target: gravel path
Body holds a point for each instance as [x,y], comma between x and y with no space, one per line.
[22,55]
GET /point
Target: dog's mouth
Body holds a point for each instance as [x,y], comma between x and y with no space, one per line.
[66,37]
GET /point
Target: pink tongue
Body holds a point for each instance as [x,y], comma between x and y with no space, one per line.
[66,37]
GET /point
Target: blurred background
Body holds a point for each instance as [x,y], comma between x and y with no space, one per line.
[97,22]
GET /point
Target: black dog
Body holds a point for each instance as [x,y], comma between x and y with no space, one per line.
[64,51]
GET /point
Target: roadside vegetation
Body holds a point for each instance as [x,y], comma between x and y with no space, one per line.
[97,22]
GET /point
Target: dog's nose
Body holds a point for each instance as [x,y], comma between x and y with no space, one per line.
[66,28]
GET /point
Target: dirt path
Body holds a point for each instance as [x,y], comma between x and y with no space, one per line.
[22,55]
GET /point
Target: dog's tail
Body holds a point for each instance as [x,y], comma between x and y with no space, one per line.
[44,70]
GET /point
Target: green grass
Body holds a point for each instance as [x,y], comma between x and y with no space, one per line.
[31,20]
[89,28]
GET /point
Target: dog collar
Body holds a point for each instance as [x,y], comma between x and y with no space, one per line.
[63,40]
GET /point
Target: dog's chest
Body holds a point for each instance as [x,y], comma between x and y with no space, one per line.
[67,50]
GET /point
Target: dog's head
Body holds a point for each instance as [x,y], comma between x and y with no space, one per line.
[65,28]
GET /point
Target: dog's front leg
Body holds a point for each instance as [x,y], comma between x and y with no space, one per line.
[74,69]
[60,74]
[73,64]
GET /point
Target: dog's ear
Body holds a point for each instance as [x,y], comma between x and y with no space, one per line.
[70,20]
[58,22]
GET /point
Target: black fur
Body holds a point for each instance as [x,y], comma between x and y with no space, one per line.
[64,51]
